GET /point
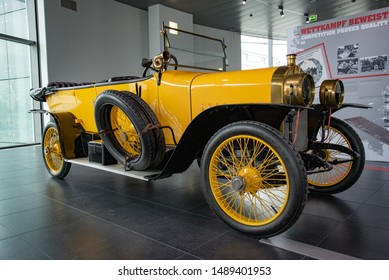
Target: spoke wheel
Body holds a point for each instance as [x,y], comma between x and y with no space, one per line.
[52,152]
[247,179]
[125,133]
[339,171]
[345,174]
[129,129]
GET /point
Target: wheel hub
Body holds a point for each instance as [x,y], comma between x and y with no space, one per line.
[52,149]
[324,154]
[123,136]
[248,179]
[238,183]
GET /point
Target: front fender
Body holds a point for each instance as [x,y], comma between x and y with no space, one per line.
[320,113]
[207,123]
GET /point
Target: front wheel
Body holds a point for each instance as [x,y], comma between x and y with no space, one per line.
[253,179]
[346,169]
[52,152]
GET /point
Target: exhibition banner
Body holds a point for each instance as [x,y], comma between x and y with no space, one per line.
[355,50]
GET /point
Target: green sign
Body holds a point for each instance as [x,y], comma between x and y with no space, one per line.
[312,18]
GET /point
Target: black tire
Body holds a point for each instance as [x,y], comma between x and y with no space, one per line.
[253,179]
[153,120]
[125,129]
[52,152]
[342,176]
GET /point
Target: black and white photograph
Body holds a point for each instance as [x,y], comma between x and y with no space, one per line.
[348,51]
[314,62]
[313,67]
[348,66]
[374,63]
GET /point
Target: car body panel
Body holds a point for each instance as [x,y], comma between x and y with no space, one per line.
[214,89]
[175,102]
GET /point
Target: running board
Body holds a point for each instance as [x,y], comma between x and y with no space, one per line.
[116,168]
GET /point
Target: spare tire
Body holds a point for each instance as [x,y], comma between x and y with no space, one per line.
[153,120]
[126,130]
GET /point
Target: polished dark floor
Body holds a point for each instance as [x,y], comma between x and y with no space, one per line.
[97,215]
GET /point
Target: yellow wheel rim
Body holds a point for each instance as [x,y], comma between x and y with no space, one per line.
[339,171]
[125,132]
[52,150]
[249,180]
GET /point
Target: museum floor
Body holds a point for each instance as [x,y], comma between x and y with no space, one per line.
[97,215]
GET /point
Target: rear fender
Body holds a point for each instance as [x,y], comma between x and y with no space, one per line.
[69,135]
[206,124]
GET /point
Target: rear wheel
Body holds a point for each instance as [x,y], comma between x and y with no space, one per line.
[52,152]
[253,179]
[344,174]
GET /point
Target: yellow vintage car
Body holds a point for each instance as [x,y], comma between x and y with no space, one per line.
[259,140]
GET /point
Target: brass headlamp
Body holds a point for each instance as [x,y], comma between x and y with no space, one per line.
[299,89]
[331,93]
[290,85]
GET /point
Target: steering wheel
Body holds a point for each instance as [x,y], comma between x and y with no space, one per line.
[148,64]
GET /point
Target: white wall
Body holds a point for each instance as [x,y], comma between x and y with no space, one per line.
[159,14]
[100,40]
[105,38]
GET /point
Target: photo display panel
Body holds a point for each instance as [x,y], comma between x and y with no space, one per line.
[355,50]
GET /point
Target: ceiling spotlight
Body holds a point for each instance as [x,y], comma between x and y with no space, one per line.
[281,8]
[244,2]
